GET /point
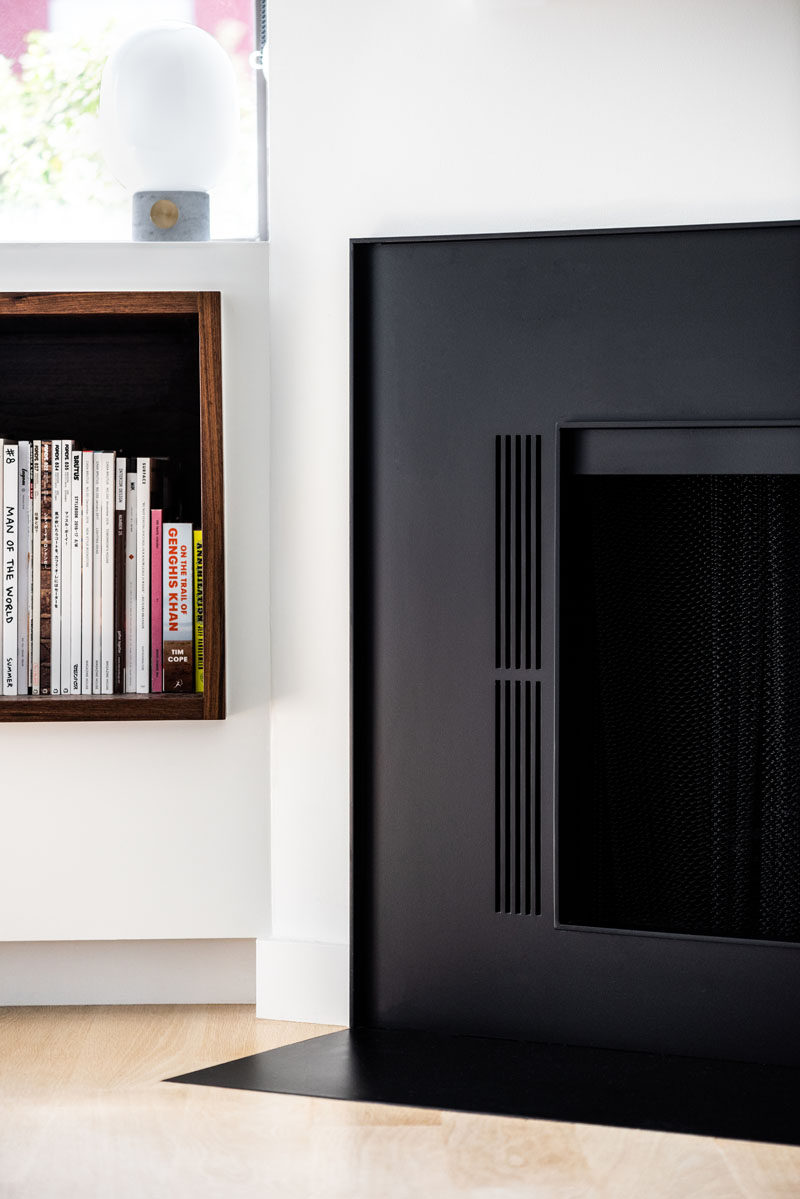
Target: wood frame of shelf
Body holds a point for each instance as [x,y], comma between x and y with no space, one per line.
[204,307]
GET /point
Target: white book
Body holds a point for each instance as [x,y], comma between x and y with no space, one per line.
[30,584]
[97,573]
[143,575]
[2,476]
[107,462]
[55,594]
[24,534]
[76,544]
[130,577]
[87,563]
[9,572]
[2,551]
[66,566]
[120,480]
[36,556]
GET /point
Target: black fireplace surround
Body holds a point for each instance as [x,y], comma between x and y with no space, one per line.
[576,681]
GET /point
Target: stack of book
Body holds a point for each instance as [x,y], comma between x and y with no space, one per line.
[102,591]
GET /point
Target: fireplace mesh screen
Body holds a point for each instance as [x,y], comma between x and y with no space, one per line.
[679,795]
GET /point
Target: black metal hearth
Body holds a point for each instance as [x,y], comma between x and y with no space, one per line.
[521,1078]
[576,682]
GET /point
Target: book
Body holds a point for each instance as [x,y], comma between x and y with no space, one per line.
[2,511]
[46,566]
[2,554]
[97,569]
[89,574]
[177,607]
[55,599]
[119,576]
[66,565]
[156,614]
[130,575]
[198,609]
[36,574]
[10,509]
[76,546]
[107,473]
[24,534]
[143,575]
[87,562]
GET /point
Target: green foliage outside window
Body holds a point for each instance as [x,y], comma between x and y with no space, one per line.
[49,151]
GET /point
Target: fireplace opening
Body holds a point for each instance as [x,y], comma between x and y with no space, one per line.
[679,687]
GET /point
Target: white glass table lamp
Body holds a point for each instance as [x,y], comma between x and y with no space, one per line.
[168,120]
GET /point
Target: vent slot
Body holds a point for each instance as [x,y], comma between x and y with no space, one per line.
[517,796]
[538,535]
[507,543]
[498,555]
[537,799]
[518,558]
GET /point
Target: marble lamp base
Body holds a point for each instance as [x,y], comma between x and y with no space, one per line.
[170,216]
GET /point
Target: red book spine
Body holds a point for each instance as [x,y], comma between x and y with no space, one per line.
[156,634]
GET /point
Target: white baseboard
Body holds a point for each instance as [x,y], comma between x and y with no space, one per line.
[306,981]
[34,973]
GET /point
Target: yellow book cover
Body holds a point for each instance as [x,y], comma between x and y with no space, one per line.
[198,609]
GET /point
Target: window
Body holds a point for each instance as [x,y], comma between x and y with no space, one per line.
[54,184]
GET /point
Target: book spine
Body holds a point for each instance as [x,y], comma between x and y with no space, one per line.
[76,542]
[2,562]
[198,610]
[97,571]
[130,576]
[24,568]
[119,576]
[36,574]
[156,584]
[55,600]
[46,573]
[87,562]
[66,564]
[177,605]
[10,541]
[143,575]
[107,468]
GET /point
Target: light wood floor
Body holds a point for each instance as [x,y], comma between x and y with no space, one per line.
[83,1115]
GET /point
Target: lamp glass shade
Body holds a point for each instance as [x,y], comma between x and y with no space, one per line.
[168,109]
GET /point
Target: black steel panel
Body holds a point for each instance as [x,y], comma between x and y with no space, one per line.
[456,343]
[683,450]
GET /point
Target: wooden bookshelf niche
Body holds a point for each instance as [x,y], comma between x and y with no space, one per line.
[140,372]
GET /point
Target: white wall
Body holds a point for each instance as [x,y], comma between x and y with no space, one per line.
[450,116]
[155,830]
[90,972]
